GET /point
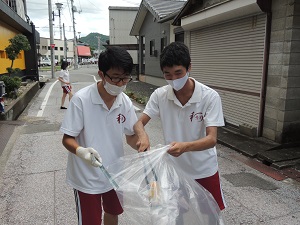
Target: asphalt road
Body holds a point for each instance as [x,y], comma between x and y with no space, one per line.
[33,188]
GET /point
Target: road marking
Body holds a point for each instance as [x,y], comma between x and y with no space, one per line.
[44,103]
[92,76]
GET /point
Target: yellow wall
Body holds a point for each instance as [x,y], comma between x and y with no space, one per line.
[7,32]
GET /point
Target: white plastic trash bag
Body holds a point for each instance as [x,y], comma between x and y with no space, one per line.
[153,191]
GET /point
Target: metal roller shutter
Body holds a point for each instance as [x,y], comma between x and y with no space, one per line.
[229,58]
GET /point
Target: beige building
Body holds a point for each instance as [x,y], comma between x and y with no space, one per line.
[44,49]
[120,22]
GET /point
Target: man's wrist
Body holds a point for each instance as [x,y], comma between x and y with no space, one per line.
[76,150]
[142,134]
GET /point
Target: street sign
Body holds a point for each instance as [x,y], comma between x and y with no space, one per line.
[52,45]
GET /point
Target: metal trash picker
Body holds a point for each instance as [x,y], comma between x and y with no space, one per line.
[108,176]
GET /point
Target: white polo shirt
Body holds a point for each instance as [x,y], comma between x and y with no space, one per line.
[188,123]
[64,74]
[93,125]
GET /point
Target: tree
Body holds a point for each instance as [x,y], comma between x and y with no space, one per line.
[17,44]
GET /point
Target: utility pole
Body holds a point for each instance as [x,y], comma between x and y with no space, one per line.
[74,31]
[65,44]
[99,44]
[51,39]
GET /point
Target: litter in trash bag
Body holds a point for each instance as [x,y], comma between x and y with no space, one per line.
[153,191]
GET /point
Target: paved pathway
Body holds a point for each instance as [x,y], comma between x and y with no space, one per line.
[32,169]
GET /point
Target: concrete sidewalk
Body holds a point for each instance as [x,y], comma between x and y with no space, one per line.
[33,163]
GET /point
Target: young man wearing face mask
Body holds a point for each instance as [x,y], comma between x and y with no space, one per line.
[190,113]
[94,123]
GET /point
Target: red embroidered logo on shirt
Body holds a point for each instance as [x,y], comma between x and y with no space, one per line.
[121,118]
[197,116]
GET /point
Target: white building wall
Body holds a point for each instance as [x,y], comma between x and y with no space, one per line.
[59,48]
[120,23]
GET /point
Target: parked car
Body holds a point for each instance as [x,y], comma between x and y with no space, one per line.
[45,62]
[85,62]
[93,60]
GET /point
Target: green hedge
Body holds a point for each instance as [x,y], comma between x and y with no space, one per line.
[12,85]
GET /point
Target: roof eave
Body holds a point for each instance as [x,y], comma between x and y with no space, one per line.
[168,17]
[138,21]
[176,21]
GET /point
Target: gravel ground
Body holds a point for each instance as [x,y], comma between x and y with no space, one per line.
[140,89]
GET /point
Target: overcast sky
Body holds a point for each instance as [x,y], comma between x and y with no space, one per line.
[93,16]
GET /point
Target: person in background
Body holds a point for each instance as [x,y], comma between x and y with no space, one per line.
[97,118]
[190,113]
[64,79]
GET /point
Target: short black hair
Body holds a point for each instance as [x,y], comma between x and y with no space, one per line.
[117,58]
[64,65]
[176,53]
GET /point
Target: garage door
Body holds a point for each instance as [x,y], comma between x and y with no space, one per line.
[229,58]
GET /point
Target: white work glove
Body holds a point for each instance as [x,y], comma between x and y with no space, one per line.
[90,155]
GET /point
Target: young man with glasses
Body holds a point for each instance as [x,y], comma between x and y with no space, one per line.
[190,113]
[93,126]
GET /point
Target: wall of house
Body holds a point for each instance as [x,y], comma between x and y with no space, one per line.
[171,32]
[12,22]
[282,108]
[8,32]
[120,23]
[152,30]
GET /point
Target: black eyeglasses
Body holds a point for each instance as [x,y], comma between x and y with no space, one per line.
[117,79]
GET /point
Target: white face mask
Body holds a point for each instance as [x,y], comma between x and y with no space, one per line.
[113,89]
[178,83]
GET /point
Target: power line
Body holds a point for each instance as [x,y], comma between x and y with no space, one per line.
[94,5]
[37,9]
[69,8]
[80,5]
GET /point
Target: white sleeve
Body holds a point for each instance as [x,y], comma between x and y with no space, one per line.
[73,119]
[214,113]
[152,107]
[130,121]
[61,74]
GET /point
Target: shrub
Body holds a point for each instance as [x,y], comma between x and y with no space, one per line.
[17,44]
[14,72]
[12,84]
[137,97]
